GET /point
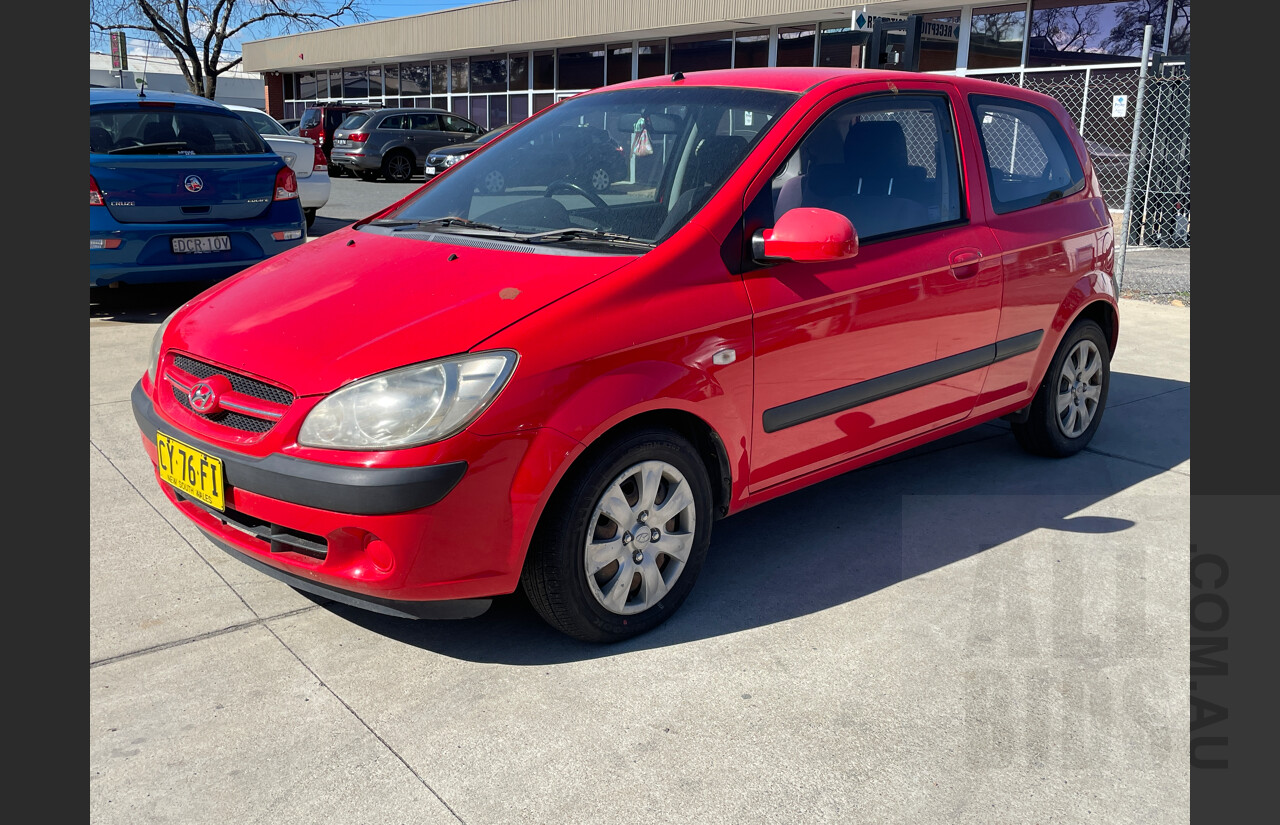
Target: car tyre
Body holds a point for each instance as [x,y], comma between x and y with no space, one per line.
[1069,403]
[397,167]
[623,539]
[310,215]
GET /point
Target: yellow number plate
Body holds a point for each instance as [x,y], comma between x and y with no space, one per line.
[195,473]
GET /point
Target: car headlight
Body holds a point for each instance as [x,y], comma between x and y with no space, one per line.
[450,160]
[408,406]
[156,342]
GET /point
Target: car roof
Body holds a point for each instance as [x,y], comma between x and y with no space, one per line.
[109,95]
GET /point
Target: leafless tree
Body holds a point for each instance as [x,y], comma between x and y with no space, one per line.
[198,32]
[1071,29]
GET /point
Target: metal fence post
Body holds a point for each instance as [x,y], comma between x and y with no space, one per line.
[1133,154]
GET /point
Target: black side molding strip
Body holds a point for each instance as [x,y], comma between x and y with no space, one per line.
[864,392]
[357,490]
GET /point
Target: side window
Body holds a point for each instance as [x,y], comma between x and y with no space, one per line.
[457,124]
[425,123]
[1029,157]
[888,164]
[393,122]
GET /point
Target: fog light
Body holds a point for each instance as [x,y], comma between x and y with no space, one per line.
[379,553]
[287,235]
[104,243]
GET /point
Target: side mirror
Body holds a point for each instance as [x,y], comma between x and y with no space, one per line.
[807,235]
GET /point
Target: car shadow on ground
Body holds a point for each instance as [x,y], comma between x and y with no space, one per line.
[837,541]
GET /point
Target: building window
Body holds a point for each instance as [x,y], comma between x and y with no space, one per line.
[542,101]
[751,48]
[544,70]
[497,111]
[518,72]
[488,74]
[835,45]
[458,77]
[995,38]
[618,64]
[518,108]
[795,45]
[581,67]
[375,81]
[335,83]
[652,59]
[306,85]
[939,41]
[699,52]
[479,110]
[1065,33]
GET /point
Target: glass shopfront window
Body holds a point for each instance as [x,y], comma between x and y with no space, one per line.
[335,83]
[1067,33]
[618,63]
[518,71]
[751,48]
[939,41]
[306,85]
[835,45]
[653,58]
[488,74]
[497,111]
[518,108]
[458,77]
[375,81]
[544,70]
[580,67]
[795,45]
[699,52]
[439,77]
[995,38]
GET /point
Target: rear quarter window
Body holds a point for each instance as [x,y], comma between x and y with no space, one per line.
[1029,158]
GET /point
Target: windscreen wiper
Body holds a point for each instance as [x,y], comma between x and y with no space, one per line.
[582,233]
[450,220]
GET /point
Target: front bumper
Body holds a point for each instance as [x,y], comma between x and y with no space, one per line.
[405,541]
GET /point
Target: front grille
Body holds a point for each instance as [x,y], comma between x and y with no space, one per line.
[236,419]
[239,383]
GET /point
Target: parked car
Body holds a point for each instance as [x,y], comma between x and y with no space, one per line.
[319,124]
[290,124]
[584,154]
[446,156]
[549,390]
[302,154]
[182,189]
[394,143]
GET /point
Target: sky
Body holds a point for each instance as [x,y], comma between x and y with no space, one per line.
[140,44]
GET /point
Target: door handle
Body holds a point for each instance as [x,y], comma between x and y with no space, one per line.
[965,262]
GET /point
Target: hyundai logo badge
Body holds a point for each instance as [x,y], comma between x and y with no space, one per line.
[203,398]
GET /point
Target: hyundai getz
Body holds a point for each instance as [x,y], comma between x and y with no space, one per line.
[562,390]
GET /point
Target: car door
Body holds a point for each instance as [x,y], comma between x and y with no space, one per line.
[858,354]
[457,129]
[426,134]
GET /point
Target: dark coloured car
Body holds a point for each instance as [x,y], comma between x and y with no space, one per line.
[446,156]
[394,143]
[585,156]
[182,189]
[320,122]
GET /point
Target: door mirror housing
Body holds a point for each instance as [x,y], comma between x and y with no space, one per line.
[806,235]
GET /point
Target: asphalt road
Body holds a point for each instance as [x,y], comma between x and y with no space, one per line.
[962,634]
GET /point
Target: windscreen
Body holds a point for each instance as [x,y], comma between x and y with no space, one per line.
[634,164]
[262,123]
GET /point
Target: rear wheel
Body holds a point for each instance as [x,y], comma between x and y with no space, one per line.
[622,542]
[1068,406]
[397,167]
[310,215]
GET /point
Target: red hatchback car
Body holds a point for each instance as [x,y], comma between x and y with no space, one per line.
[803,271]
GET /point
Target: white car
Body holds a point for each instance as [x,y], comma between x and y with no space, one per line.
[304,157]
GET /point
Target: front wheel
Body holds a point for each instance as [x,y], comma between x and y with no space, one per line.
[1068,406]
[622,543]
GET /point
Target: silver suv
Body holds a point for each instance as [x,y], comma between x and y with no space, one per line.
[394,143]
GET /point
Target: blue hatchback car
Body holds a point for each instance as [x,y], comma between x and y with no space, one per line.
[182,189]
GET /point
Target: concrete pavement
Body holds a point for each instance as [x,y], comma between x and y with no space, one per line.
[963,634]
